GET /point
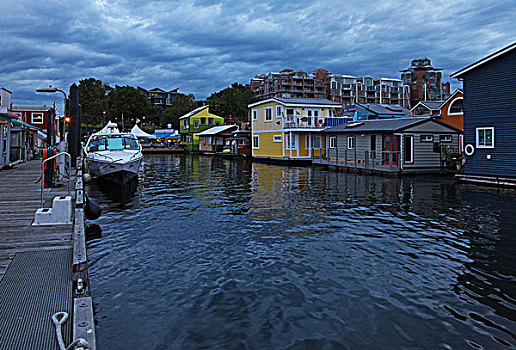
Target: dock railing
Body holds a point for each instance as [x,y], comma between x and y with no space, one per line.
[43,175]
[385,161]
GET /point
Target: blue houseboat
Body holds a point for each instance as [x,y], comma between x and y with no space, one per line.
[489,118]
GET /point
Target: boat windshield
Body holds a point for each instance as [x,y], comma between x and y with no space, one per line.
[113,143]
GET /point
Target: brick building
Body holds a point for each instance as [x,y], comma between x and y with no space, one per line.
[424,82]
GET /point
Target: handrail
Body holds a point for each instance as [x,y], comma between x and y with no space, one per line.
[69,169]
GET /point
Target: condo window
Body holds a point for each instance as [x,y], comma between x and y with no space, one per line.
[268,114]
[256,142]
[485,137]
[37,118]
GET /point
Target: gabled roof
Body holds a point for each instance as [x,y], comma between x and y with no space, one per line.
[217,130]
[31,108]
[378,108]
[452,96]
[390,124]
[484,60]
[321,102]
[195,111]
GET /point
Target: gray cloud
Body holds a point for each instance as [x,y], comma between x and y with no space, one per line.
[203,46]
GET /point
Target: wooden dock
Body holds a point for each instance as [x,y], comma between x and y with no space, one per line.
[43,269]
[19,199]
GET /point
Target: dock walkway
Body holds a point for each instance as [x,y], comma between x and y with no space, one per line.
[41,267]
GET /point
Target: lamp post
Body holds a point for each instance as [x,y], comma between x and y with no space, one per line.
[52,89]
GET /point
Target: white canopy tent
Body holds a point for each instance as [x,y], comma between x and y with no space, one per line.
[136,131]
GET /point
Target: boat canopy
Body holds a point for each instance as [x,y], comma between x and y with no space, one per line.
[110,128]
[136,131]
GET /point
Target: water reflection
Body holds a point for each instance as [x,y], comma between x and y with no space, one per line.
[228,254]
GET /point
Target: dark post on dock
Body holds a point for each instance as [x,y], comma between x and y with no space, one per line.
[74,133]
[44,285]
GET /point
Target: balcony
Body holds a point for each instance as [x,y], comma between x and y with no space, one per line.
[305,122]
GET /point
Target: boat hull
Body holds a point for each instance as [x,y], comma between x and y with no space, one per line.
[119,173]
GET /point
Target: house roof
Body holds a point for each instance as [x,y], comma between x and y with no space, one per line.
[390,124]
[321,102]
[378,108]
[484,60]
[20,123]
[197,110]
[216,130]
[432,104]
[31,108]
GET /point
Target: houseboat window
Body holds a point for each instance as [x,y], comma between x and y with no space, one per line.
[485,137]
[256,141]
[333,141]
[373,146]
[203,120]
[204,140]
[196,124]
[210,121]
[255,114]
[351,142]
[456,107]
[277,138]
[290,141]
[408,148]
[278,111]
[268,114]
[217,123]
[185,124]
[37,118]
[427,138]
[290,112]
[445,138]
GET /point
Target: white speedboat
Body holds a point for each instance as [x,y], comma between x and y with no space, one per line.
[112,155]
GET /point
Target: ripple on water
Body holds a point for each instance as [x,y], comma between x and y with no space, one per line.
[211,253]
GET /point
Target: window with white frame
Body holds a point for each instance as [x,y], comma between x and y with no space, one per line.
[196,124]
[408,149]
[185,124]
[317,142]
[456,107]
[277,138]
[313,141]
[290,141]
[333,141]
[351,142]
[37,118]
[427,138]
[254,113]
[256,141]
[445,138]
[485,137]
[278,111]
[268,114]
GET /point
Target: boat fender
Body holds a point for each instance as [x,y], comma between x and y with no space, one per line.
[92,210]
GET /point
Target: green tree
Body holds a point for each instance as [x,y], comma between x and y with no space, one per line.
[129,103]
[232,101]
[92,97]
[182,104]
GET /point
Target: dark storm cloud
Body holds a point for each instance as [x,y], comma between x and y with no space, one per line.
[203,46]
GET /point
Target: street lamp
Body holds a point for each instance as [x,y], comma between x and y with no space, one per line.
[52,89]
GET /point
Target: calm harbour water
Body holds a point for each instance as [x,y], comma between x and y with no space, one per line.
[207,253]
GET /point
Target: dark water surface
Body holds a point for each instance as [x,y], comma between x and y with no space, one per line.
[207,253]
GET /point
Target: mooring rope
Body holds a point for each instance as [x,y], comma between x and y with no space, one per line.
[59,318]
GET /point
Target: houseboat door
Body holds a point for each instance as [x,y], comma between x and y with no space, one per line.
[391,145]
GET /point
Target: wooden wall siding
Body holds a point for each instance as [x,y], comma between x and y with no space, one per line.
[424,155]
[453,120]
[490,100]
[268,148]
[260,124]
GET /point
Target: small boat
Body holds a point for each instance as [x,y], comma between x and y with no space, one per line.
[112,155]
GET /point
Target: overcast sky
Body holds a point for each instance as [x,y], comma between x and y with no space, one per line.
[203,46]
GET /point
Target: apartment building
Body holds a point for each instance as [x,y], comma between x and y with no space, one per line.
[160,98]
[424,82]
[344,89]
